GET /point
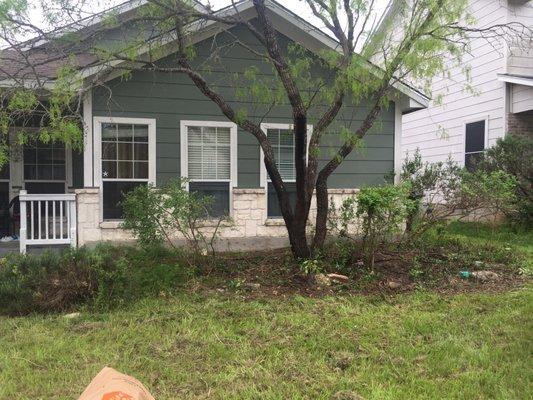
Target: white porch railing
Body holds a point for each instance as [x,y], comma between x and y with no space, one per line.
[47,219]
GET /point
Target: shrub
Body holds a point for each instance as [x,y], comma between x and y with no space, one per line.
[514,155]
[444,190]
[155,215]
[103,278]
[381,210]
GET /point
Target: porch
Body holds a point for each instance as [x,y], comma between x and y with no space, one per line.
[37,200]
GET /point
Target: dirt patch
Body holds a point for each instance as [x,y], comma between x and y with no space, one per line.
[276,274]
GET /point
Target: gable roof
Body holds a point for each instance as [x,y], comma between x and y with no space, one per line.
[47,64]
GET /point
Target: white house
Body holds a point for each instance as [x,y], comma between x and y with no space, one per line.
[464,124]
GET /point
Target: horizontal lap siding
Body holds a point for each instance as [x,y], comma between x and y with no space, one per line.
[438,131]
[170,98]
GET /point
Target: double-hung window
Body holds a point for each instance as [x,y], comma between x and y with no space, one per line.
[126,159]
[475,133]
[281,138]
[209,161]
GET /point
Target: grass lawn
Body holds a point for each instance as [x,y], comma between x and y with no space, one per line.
[221,346]
[484,234]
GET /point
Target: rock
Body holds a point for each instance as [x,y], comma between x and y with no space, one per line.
[322,280]
[485,276]
[346,395]
[72,315]
[252,285]
[394,285]
[338,278]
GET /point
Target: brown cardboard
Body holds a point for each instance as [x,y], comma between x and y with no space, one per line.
[112,385]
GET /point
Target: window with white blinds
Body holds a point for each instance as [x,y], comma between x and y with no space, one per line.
[209,153]
[209,161]
[282,142]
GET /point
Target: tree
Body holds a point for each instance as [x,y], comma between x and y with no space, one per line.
[414,45]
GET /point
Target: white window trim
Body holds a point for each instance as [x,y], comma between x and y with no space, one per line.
[486,139]
[184,154]
[263,176]
[97,130]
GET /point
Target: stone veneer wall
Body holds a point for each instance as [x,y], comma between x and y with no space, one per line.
[249,217]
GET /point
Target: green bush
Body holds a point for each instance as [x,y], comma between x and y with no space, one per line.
[102,278]
[443,191]
[514,155]
[381,211]
[155,215]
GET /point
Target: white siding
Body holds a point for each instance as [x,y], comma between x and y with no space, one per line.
[521,98]
[438,131]
[520,58]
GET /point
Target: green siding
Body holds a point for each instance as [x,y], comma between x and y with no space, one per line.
[170,98]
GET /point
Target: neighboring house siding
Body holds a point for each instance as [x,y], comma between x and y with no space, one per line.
[170,98]
[520,59]
[439,130]
[521,98]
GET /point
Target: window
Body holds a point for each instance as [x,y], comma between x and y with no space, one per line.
[281,137]
[209,161]
[44,161]
[125,159]
[474,142]
[4,191]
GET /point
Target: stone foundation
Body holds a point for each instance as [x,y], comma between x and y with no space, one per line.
[249,220]
[520,124]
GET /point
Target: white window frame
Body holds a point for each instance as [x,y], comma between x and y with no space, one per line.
[184,153]
[263,176]
[17,178]
[486,138]
[97,129]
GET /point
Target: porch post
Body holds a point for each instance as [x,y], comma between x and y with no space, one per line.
[88,161]
[23,222]
[73,223]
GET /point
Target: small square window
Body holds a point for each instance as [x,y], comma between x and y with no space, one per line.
[140,170]
[125,169]
[125,133]
[109,132]
[125,151]
[109,169]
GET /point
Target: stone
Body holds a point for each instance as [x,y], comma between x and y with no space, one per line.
[241,204]
[322,280]
[338,278]
[485,276]
[394,285]
[252,285]
[72,315]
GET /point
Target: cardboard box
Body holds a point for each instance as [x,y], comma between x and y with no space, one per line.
[112,385]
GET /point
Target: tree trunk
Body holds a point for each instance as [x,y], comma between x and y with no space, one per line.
[298,239]
[322,207]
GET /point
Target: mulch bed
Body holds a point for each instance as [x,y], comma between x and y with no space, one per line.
[275,274]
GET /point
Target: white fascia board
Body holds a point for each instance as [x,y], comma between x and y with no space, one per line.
[32,84]
[518,80]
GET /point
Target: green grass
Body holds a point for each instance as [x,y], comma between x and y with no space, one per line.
[416,346]
[480,234]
